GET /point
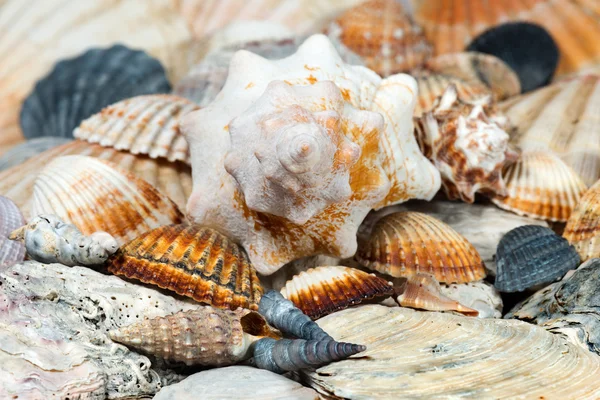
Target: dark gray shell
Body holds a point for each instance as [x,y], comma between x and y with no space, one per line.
[24,151]
[82,86]
[531,255]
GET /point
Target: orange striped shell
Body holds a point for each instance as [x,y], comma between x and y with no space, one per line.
[583,226]
[404,244]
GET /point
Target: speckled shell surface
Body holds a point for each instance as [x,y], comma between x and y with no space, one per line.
[531,255]
[141,125]
[540,185]
[424,355]
[97,195]
[324,290]
[407,243]
[24,151]
[192,261]
[583,226]
[11,252]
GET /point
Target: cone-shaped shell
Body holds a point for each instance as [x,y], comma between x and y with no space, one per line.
[540,185]
[583,226]
[11,252]
[24,151]
[531,255]
[96,195]
[324,290]
[192,261]
[206,336]
[407,243]
[141,125]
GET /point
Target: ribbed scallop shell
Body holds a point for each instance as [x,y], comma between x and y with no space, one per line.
[531,255]
[172,179]
[540,185]
[324,290]
[428,355]
[583,226]
[24,151]
[192,261]
[407,243]
[382,34]
[97,195]
[141,125]
[563,118]
[11,252]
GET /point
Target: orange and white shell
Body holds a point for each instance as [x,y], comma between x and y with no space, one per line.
[96,195]
[141,125]
[583,226]
[324,290]
[540,185]
[347,110]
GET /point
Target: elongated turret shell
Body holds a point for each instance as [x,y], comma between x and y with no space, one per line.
[583,226]
[11,252]
[407,243]
[192,261]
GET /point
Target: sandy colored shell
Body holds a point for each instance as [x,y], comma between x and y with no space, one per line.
[97,195]
[383,34]
[324,290]
[172,179]
[11,218]
[425,355]
[407,243]
[583,226]
[141,125]
[540,185]
[192,261]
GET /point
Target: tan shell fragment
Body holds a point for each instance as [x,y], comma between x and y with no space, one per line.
[96,195]
[141,125]
[583,226]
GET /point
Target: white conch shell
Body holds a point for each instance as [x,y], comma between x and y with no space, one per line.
[390,168]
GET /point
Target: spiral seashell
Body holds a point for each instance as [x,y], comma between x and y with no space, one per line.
[24,151]
[293,355]
[192,261]
[532,255]
[11,252]
[289,319]
[404,244]
[583,226]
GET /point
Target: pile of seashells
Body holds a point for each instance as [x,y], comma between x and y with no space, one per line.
[281,199]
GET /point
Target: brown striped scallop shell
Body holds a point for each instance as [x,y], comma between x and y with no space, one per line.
[404,244]
[323,290]
[192,261]
[583,226]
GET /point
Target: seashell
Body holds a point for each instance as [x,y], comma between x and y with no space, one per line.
[97,195]
[531,255]
[141,125]
[10,219]
[381,33]
[466,144]
[69,94]
[192,261]
[285,355]
[423,291]
[425,355]
[480,296]
[49,240]
[562,118]
[341,116]
[24,151]
[206,336]
[583,230]
[173,179]
[404,244]
[289,319]
[324,290]
[540,185]
[450,27]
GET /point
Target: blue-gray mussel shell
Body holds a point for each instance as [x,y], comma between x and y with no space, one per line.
[82,86]
[24,151]
[531,255]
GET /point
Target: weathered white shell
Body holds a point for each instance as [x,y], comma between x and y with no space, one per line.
[10,219]
[480,296]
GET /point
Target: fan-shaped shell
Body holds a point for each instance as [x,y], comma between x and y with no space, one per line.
[141,125]
[11,252]
[324,290]
[540,185]
[425,355]
[583,226]
[531,255]
[382,34]
[192,261]
[407,243]
[96,195]
[24,151]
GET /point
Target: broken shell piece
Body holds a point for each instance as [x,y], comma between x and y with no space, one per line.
[540,185]
[583,226]
[11,252]
[50,240]
[192,261]
[323,290]
[407,243]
